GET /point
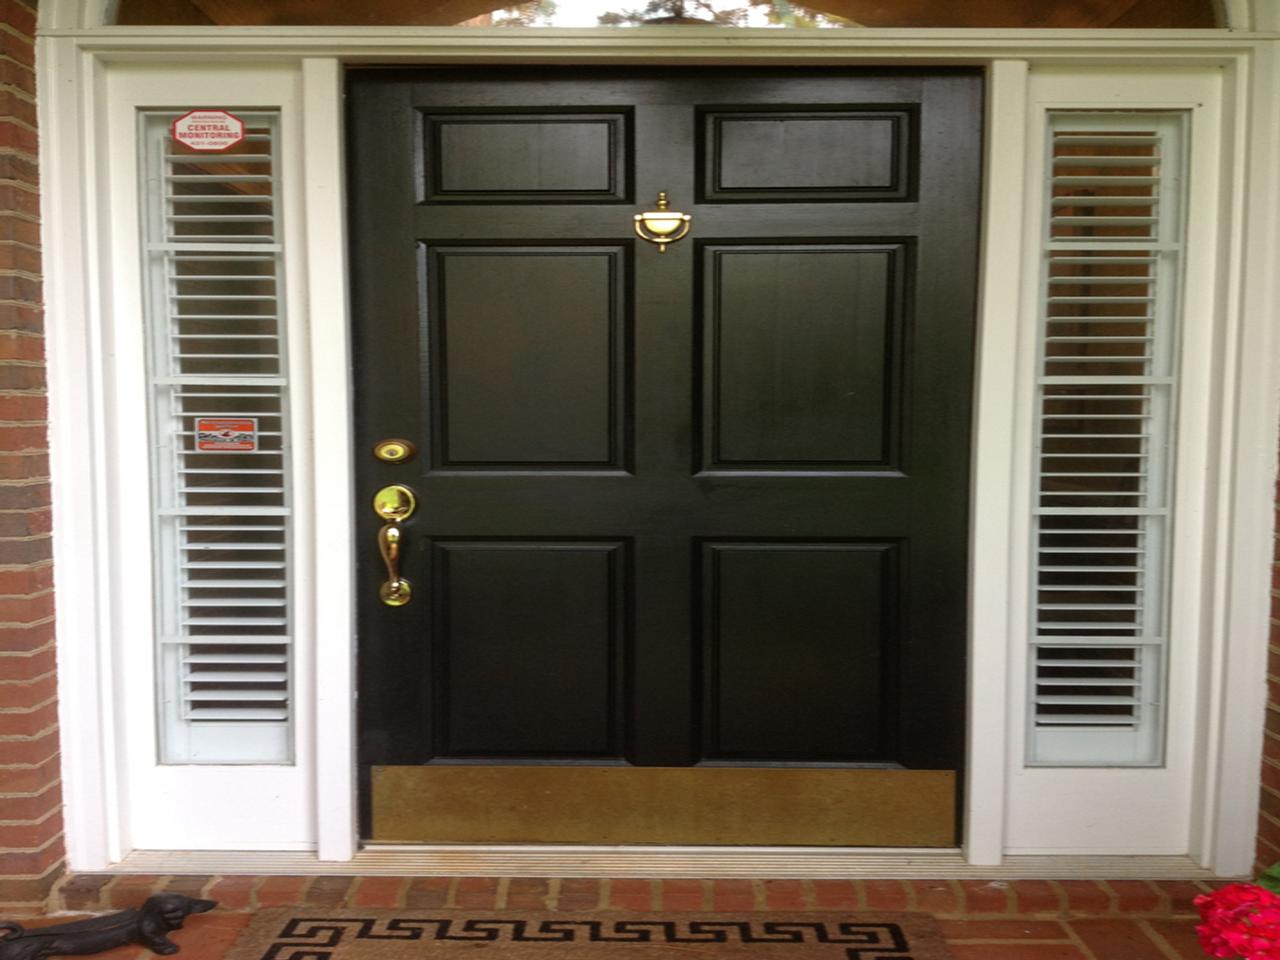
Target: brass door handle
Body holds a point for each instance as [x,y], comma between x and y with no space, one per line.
[393,504]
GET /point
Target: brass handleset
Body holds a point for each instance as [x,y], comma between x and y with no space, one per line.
[393,504]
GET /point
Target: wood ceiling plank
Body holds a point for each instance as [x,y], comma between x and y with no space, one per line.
[283,13]
[177,12]
[1185,13]
[974,13]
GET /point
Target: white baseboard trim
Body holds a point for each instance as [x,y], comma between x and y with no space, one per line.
[661,862]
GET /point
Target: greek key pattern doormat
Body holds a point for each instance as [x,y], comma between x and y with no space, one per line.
[407,934]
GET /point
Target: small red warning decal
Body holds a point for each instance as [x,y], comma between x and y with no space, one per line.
[208,130]
[227,436]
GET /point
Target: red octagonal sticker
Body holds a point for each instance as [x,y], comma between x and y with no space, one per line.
[208,130]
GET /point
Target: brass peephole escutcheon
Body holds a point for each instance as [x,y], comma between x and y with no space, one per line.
[662,226]
[393,504]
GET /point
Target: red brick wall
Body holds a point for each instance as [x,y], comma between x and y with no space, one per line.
[1268,850]
[31,849]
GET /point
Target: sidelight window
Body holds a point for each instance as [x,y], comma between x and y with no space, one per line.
[219,441]
[1106,389]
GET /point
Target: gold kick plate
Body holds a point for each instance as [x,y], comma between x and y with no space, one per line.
[773,806]
[393,504]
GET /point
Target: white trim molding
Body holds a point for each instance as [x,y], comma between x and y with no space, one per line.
[334,487]
[1241,521]
[92,78]
[73,357]
[992,550]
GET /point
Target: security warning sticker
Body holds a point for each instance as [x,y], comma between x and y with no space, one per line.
[208,130]
[239,435]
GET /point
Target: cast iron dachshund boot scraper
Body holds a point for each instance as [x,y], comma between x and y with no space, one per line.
[148,925]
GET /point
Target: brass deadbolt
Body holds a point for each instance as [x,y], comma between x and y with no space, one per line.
[394,450]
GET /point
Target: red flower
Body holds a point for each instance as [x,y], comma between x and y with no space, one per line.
[1240,920]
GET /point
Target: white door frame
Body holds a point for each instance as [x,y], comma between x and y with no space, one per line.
[77,53]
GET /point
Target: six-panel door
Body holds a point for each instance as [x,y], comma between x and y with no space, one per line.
[700,507]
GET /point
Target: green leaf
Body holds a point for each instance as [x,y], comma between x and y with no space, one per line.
[1269,879]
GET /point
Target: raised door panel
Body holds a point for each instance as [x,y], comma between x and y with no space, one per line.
[799,648]
[531,157]
[530,648]
[808,154]
[801,346]
[528,357]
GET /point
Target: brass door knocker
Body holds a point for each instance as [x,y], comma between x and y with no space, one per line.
[662,226]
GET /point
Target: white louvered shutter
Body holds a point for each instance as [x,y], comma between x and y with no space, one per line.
[1105,406]
[216,353]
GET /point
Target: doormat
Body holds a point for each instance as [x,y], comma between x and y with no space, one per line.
[408,934]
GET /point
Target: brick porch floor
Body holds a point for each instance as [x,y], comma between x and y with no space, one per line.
[981,920]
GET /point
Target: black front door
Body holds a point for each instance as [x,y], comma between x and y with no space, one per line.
[701,508]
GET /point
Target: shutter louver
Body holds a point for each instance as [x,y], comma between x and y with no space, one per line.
[1104,435]
[217,354]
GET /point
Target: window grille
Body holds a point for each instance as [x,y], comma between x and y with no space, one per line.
[220,445]
[1104,437]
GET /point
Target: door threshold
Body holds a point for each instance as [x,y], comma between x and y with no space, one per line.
[442,860]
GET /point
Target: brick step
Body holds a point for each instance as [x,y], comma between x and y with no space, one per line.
[960,899]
